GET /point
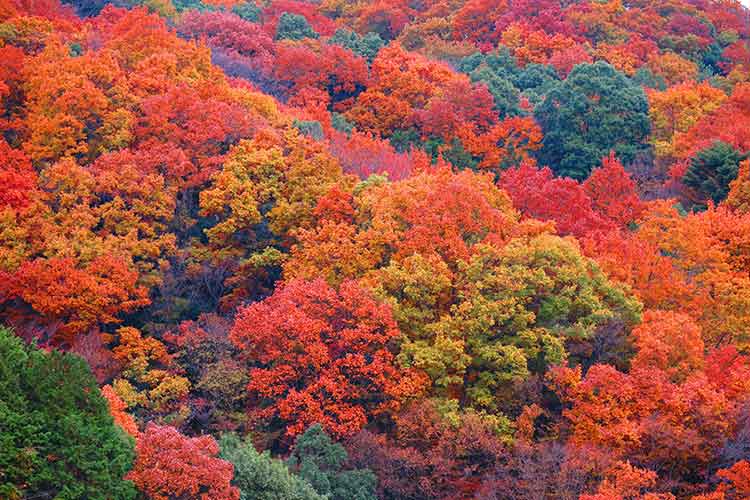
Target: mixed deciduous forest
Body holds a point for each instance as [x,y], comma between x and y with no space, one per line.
[374,249]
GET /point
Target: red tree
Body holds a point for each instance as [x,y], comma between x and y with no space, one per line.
[117,409]
[536,193]
[612,192]
[169,465]
[57,292]
[430,455]
[17,177]
[729,123]
[321,357]
[364,155]
[185,132]
[319,22]
[333,69]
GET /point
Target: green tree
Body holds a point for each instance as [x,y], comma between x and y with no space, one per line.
[505,94]
[248,11]
[647,78]
[340,123]
[294,27]
[505,315]
[712,169]
[183,5]
[535,81]
[597,109]
[260,477]
[366,46]
[310,128]
[498,70]
[321,462]
[369,45]
[57,437]
[507,82]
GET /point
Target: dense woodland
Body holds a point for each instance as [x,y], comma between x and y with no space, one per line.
[374,249]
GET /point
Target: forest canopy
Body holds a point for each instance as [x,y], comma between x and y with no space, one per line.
[374,249]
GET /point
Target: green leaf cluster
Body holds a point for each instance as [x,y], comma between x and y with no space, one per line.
[260,477]
[57,437]
[320,462]
[597,109]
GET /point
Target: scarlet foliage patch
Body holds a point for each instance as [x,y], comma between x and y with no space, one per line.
[117,408]
[322,356]
[538,194]
[170,465]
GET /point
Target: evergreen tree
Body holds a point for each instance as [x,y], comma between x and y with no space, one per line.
[57,437]
[260,477]
[366,46]
[294,27]
[505,94]
[712,169]
[321,462]
[597,109]
[248,11]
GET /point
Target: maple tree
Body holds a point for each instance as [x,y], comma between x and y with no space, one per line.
[439,279]
[475,21]
[536,193]
[148,378]
[737,198]
[662,396]
[79,298]
[725,123]
[704,249]
[489,336]
[76,115]
[628,56]
[170,465]
[676,109]
[534,46]
[632,260]
[613,193]
[235,35]
[431,450]
[364,155]
[117,408]
[672,68]
[734,483]
[341,374]
[408,91]
[625,481]
[403,218]
[262,186]
[506,144]
[17,178]
[174,127]
[670,342]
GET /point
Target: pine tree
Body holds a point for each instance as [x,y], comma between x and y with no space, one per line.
[57,437]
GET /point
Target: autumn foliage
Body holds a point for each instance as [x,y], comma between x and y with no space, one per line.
[171,465]
[435,249]
[323,357]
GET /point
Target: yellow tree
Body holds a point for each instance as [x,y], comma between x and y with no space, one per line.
[675,110]
[266,191]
